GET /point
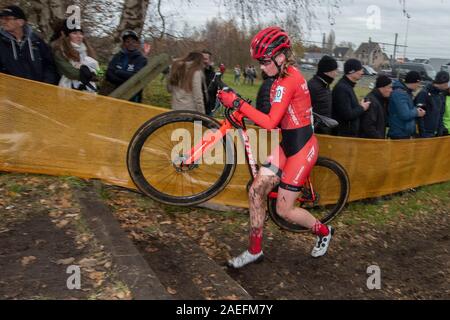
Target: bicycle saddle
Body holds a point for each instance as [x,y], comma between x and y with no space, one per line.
[327,122]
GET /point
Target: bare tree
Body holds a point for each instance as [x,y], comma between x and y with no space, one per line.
[301,12]
[133,17]
[331,42]
[43,14]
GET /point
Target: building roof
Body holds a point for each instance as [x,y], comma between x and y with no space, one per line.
[339,52]
[367,47]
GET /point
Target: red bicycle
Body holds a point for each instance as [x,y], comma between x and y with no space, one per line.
[195,170]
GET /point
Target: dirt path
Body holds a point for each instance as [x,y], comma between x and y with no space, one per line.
[42,234]
[411,252]
[43,231]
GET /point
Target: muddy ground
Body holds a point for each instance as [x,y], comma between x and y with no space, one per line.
[42,233]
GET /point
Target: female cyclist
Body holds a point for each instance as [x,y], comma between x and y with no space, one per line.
[292,161]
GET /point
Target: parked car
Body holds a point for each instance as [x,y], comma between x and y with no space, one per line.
[369,71]
[427,72]
[306,66]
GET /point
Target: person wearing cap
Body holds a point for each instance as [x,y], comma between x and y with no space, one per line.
[374,121]
[319,89]
[347,110]
[75,59]
[402,110]
[432,98]
[127,62]
[22,52]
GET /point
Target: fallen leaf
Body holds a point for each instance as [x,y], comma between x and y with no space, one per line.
[61,224]
[88,263]
[171,291]
[27,260]
[65,261]
[97,276]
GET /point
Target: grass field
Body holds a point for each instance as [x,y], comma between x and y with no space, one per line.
[156,93]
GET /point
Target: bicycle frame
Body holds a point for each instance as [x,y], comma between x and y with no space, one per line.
[211,139]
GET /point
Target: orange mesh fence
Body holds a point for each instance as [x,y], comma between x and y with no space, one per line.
[49,130]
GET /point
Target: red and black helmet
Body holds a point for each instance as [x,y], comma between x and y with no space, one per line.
[268,42]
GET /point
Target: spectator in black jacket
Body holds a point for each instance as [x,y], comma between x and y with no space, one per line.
[211,87]
[319,88]
[432,99]
[127,62]
[263,103]
[374,121]
[22,53]
[347,110]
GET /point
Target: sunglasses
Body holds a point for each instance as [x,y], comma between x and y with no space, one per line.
[265,62]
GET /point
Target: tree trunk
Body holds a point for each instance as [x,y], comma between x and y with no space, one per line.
[133,17]
[44,14]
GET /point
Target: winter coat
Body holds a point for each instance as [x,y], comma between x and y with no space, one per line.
[70,70]
[124,65]
[432,124]
[402,112]
[194,101]
[211,90]
[346,108]
[446,119]
[373,121]
[263,103]
[30,58]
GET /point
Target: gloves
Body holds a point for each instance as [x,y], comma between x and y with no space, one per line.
[229,99]
[86,75]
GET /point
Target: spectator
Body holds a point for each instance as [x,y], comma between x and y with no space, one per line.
[222,68]
[22,53]
[211,86]
[432,99]
[263,102]
[346,108]
[127,62]
[237,75]
[165,73]
[402,111]
[75,60]
[447,115]
[374,121]
[319,89]
[187,83]
[252,75]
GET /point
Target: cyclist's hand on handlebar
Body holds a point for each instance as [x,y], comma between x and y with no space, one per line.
[229,99]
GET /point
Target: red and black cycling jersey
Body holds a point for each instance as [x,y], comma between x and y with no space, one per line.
[291,111]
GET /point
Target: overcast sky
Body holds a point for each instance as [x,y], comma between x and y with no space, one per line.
[429,25]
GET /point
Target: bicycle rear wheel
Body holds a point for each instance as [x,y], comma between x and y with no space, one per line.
[158,146]
[331,186]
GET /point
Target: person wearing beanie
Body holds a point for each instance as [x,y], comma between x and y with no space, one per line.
[22,52]
[75,59]
[432,98]
[374,121]
[402,110]
[319,88]
[126,63]
[347,110]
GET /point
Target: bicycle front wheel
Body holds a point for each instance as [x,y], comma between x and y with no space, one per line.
[158,146]
[331,188]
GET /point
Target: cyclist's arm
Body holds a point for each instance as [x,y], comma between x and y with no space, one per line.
[278,109]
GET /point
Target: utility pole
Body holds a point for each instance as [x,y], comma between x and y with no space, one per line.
[395,49]
[406,35]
